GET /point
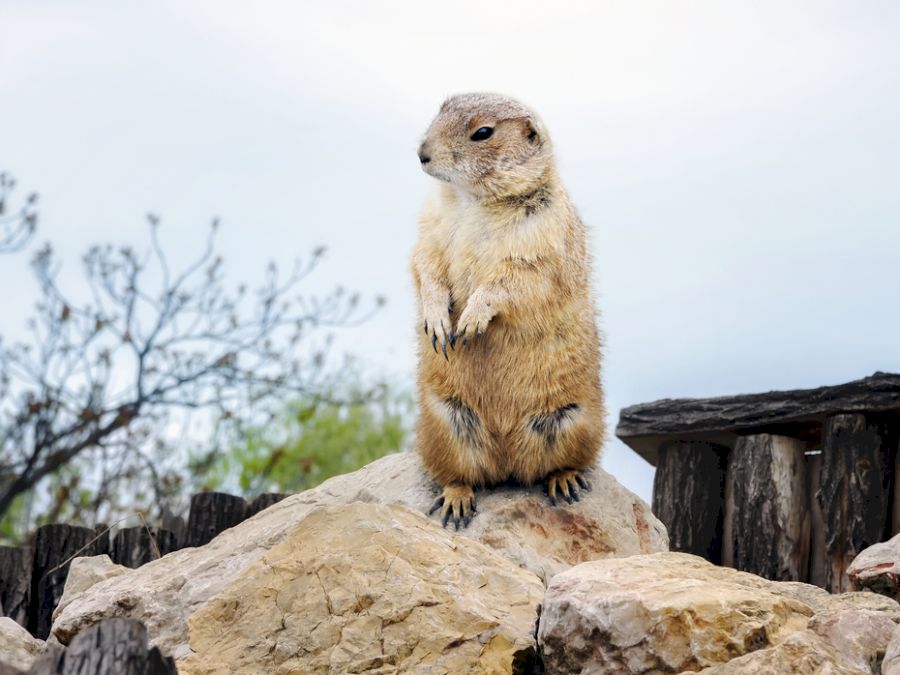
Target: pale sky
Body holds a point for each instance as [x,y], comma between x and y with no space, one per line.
[737,163]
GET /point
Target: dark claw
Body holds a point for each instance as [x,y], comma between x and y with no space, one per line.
[444,347]
[582,482]
[568,498]
[466,521]
[434,342]
[456,522]
[426,328]
[474,507]
[465,341]
[453,337]
[552,500]
[437,504]
[574,493]
[479,333]
[446,517]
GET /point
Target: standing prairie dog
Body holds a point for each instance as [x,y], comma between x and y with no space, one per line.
[502,275]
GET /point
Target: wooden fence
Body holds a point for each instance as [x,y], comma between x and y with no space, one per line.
[790,485]
[32,577]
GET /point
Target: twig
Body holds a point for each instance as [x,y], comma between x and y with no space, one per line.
[75,555]
[154,549]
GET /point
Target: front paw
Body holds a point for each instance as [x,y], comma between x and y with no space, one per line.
[474,319]
[457,503]
[567,484]
[437,325]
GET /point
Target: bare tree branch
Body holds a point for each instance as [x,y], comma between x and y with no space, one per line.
[103,378]
[16,227]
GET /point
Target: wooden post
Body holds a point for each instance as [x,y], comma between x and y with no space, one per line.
[15,582]
[264,501]
[211,513]
[895,508]
[687,497]
[728,520]
[53,546]
[110,647]
[818,561]
[854,493]
[132,546]
[174,524]
[770,520]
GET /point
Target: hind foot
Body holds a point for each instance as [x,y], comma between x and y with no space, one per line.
[566,484]
[458,502]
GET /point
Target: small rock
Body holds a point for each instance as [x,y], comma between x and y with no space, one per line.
[365,588]
[891,663]
[877,569]
[802,653]
[18,649]
[84,573]
[664,612]
[859,636]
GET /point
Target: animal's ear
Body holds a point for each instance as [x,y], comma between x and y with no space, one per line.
[531,133]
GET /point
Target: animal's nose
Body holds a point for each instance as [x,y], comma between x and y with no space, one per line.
[424,155]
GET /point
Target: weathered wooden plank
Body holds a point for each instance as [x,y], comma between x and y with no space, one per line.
[15,582]
[855,497]
[110,647]
[133,547]
[54,545]
[769,532]
[688,495]
[211,513]
[798,413]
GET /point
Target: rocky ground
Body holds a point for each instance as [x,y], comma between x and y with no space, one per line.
[352,577]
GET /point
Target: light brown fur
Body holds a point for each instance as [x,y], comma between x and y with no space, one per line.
[502,274]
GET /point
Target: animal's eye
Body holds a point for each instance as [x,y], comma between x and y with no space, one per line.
[482,134]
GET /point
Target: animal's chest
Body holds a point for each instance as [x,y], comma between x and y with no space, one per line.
[478,247]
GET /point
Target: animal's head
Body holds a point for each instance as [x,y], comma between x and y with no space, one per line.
[486,144]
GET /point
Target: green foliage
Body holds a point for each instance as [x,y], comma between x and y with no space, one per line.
[13,520]
[310,441]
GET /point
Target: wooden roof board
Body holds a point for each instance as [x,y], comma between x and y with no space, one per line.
[799,412]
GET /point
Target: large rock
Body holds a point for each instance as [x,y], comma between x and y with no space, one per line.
[674,612]
[517,523]
[18,648]
[877,569]
[370,589]
[520,523]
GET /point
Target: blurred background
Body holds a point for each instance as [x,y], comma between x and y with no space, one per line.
[737,166]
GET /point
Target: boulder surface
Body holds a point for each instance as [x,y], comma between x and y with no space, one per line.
[370,589]
[673,612]
[18,648]
[517,523]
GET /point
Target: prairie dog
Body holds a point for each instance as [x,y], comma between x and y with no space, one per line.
[502,275]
